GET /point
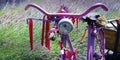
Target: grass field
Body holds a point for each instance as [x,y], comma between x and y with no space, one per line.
[14,35]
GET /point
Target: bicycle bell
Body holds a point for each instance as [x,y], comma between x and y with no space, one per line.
[65,26]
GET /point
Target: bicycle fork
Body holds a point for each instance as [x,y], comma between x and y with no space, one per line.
[66,54]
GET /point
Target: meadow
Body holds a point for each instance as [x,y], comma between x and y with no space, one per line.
[14,34]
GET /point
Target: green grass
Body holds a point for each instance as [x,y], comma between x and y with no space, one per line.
[14,41]
[14,36]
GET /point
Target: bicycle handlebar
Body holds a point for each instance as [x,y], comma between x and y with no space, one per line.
[67,14]
[37,7]
[94,7]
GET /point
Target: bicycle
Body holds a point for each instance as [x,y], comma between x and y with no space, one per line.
[63,26]
[96,24]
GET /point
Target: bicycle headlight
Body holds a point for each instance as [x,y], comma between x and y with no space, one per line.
[65,26]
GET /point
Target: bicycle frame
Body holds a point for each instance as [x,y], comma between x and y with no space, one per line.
[92,30]
[47,23]
[95,32]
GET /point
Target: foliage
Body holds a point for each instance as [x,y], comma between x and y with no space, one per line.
[14,35]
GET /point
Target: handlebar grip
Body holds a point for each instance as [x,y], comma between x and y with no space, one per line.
[103,6]
[37,7]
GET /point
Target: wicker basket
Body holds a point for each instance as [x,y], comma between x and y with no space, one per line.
[110,35]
